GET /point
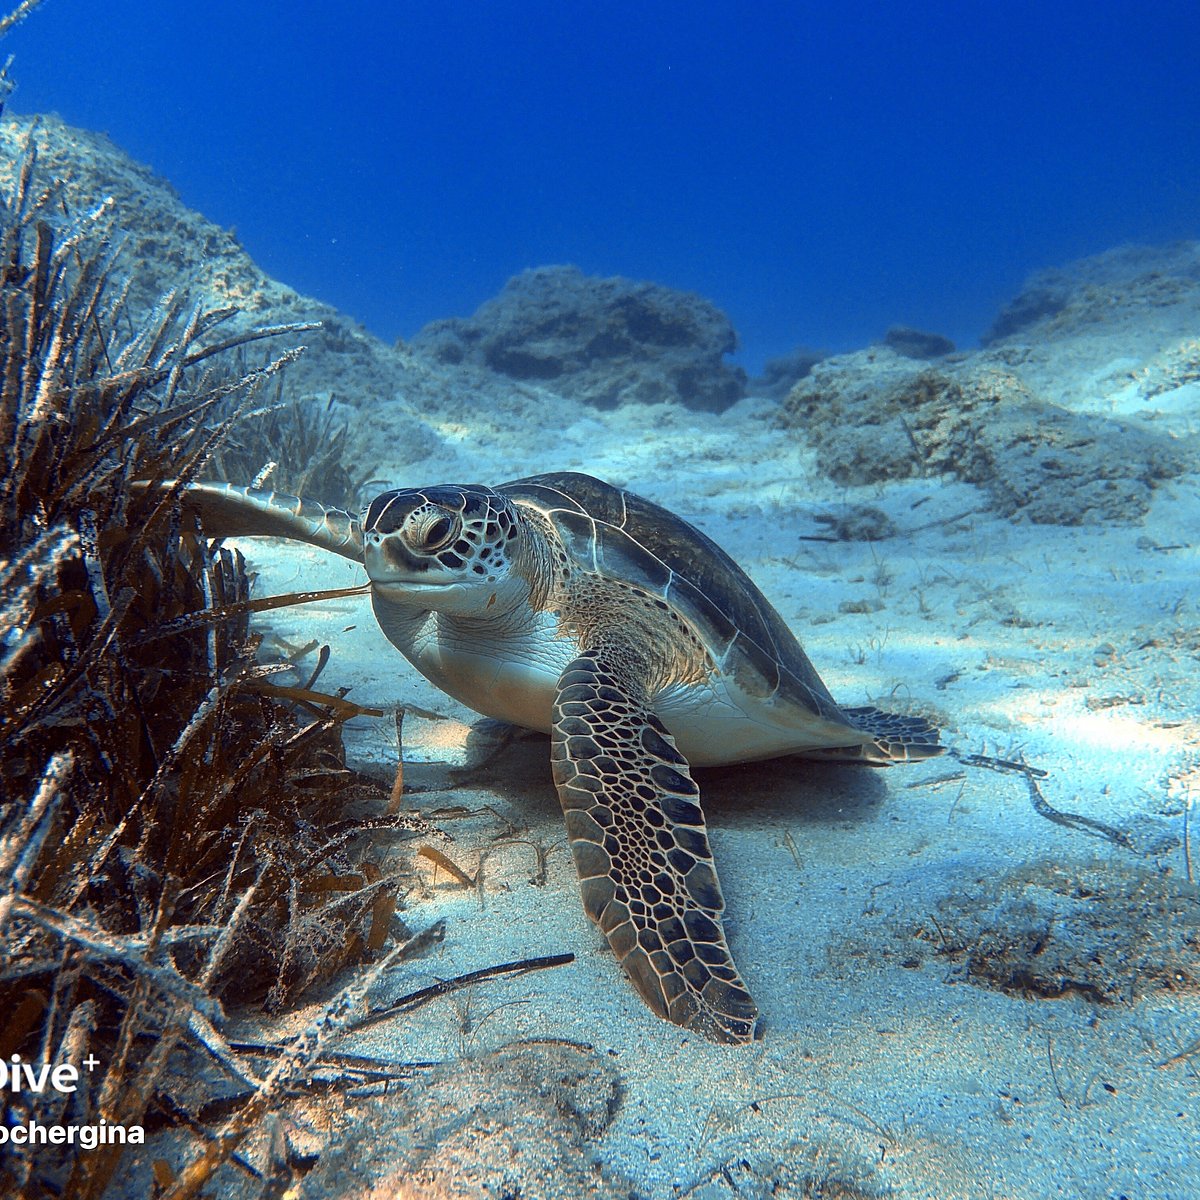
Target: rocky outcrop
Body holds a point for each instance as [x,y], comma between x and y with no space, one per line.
[1083,402]
[1102,290]
[781,374]
[392,400]
[166,246]
[980,424]
[917,343]
[605,341]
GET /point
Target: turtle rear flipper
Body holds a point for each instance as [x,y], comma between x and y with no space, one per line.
[897,738]
[640,845]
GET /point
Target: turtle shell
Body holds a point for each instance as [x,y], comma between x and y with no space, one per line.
[619,534]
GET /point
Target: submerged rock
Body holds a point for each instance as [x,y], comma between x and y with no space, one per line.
[169,248]
[916,343]
[605,341]
[1101,290]
[1037,461]
[781,374]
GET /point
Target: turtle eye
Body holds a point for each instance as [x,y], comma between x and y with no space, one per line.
[436,534]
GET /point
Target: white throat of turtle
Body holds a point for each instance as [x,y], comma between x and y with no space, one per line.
[486,662]
[411,614]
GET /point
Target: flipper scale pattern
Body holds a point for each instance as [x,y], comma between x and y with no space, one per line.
[641,849]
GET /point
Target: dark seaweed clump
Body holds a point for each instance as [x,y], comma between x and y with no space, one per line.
[173,830]
[1107,934]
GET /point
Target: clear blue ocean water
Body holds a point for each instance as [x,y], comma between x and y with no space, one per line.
[820,171]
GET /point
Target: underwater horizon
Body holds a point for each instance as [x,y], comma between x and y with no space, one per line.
[819,173]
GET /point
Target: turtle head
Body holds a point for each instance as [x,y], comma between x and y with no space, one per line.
[450,548]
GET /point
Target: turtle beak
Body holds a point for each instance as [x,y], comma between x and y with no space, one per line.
[396,573]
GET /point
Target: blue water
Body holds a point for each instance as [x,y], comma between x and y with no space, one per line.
[819,171]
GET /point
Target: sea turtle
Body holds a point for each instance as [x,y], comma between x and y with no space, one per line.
[566,605]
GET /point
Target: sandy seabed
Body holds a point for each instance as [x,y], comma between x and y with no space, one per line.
[960,995]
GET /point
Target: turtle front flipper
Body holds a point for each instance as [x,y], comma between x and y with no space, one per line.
[226,510]
[639,843]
